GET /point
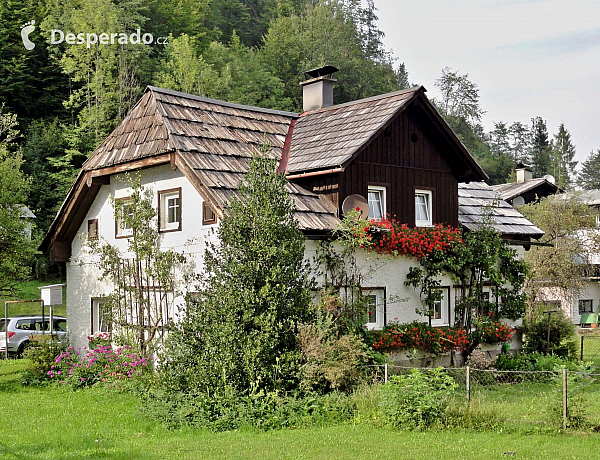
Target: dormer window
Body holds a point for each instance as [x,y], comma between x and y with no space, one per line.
[377,198]
[423,214]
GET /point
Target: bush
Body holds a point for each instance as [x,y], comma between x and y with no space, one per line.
[562,334]
[416,400]
[493,332]
[40,356]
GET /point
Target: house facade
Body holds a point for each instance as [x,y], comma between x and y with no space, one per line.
[394,150]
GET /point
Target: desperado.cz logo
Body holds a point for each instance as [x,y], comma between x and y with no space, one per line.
[57,36]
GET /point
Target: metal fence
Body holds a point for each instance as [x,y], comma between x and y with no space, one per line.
[530,400]
[589,349]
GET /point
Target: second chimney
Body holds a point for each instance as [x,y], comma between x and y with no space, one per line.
[317,92]
[523,173]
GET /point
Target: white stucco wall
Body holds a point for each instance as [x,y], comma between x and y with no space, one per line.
[569,302]
[82,274]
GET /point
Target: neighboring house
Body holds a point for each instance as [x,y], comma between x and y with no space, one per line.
[526,189]
[193,151]
[584,306]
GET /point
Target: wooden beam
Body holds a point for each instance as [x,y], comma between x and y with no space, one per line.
[172,160]
[60,251]
[191,175]
[100,180]
[163,158]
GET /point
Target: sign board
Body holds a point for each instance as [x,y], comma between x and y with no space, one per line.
[52,294]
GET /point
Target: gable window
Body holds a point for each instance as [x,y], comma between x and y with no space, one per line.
[208,215]
[586,306]
[93,229]
[375,308]
[377,205]
[441,310]
[423,214]
[123,207]
[169,210]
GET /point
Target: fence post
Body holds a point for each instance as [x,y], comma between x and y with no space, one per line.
[468,384]
[385,373]
[581,349]
[564,399]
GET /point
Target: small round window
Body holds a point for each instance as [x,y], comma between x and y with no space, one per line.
[414,137]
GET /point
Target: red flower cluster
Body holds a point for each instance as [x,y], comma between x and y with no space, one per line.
[390,237]
[420,336]
[495,332]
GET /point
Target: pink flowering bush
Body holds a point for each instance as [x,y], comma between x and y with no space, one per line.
[99,339]
[103,365]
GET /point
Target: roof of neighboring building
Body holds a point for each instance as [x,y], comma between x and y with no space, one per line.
[513,189]
[591,197]
[477,199]
[331,137]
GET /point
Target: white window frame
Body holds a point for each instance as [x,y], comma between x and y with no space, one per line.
[428,194]
[165,196]
[121,230]
[379,295]
[97,321]
[382,193]
[444,304]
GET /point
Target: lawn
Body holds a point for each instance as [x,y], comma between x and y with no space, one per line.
[56,423]
[29,290]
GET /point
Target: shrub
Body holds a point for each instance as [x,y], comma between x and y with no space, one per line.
[41,355]
[418,336]
[101,365]
[562,334]
[418,399]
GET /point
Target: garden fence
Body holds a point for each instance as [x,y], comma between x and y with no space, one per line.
[530,400]
[589,349]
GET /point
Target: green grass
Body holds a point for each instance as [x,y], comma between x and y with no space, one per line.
[56,423]
[29,291]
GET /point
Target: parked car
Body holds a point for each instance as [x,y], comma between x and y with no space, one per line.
[22,329]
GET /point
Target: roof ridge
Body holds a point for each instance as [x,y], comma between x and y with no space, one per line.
[413,89]
[220,102]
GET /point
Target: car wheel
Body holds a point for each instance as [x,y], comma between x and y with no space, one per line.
[22,348]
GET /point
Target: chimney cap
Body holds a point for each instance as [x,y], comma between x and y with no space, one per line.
[327,70]
[522,165]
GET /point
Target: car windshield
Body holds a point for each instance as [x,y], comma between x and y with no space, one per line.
[2,327]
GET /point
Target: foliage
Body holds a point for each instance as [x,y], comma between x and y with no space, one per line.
[534,361]
[240,335]
[330,360]
[459,96]
[570,227]
[16,246]
[418,336]
[40,356]
[539,155]
[104,365]
[562,333]
[561,155]
[132,273]
[416,400]
[589,176]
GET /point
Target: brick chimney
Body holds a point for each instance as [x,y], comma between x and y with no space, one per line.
[317,92]
[523,173]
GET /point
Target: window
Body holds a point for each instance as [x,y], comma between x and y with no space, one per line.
[123,207]
[208,215]
[423,217]
[101,320]
[375,308]
[26,325]
[377,205]
[586,306]
[441,310]
[93,229]
[169,210]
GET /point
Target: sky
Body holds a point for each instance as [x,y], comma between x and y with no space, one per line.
[529,58]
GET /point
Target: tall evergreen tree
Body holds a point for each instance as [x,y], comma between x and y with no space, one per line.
[589,176]
[539,153]
[562,154]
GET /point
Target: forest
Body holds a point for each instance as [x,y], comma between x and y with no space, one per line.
[59,101]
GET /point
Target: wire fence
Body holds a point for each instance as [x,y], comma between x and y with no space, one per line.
[530,400]
[589,349]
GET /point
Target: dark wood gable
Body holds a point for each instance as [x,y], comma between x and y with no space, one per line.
[412,152]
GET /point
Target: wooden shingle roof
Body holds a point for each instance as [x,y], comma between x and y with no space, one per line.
[215,140]
[477,199]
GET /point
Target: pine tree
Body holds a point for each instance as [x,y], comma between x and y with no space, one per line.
[539,154]
[589,177]
[562,153]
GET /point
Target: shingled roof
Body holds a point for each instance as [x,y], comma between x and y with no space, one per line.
[476,199]
[513,189]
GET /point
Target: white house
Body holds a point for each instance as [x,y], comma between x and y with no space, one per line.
[192,152]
